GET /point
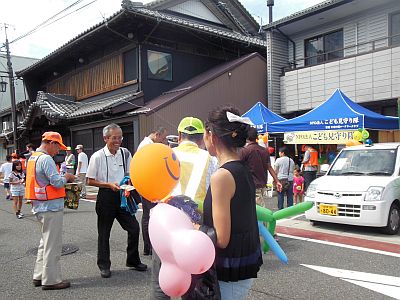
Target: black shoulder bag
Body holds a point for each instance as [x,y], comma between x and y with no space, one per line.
[205,286]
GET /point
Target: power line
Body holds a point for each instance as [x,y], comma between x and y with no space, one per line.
[45,23]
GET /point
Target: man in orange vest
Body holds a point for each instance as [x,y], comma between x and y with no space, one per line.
[45,189]
[310,165]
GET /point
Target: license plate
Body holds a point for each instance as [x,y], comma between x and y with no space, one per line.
[325,209]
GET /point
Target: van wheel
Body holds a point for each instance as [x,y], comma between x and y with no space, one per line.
[393,224]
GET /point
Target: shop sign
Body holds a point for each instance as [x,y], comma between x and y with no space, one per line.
[318,137]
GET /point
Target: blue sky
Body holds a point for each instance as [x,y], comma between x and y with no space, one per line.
[24,15]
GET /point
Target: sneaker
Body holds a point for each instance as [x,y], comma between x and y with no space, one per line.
[8,197]
[19,216]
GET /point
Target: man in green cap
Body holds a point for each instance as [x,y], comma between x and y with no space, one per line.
[197,165]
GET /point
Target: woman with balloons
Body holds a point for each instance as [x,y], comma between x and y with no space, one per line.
[229,206]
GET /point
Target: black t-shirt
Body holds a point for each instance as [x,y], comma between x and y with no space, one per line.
[242,258]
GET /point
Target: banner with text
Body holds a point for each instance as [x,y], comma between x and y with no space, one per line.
[318,137]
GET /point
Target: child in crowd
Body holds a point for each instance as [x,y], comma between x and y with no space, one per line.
[298,186]
[17,187]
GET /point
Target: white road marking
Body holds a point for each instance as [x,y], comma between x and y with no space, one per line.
[87,200]
[340,245]
[383,284]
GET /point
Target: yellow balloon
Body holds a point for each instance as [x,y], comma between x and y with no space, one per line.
[155,171]
[357,135]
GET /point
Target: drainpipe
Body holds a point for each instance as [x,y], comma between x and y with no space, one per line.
[293,44]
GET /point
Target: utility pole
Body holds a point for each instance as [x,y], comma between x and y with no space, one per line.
[12,90]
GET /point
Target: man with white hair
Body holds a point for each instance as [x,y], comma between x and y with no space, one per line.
[107,167]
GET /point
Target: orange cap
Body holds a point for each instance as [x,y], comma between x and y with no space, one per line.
[54,136]
[14,155]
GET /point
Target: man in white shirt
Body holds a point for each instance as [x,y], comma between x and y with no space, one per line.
[158,135]
[5,171]
[81,168]
[107,168]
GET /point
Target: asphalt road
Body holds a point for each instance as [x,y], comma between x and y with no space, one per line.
[276,281]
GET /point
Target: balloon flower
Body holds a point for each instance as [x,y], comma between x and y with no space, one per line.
[266,215]
[155,171]
[183,251]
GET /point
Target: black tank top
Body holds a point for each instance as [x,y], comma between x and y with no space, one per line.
[242,258]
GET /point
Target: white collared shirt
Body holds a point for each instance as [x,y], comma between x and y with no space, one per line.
[106,167]
[144,142]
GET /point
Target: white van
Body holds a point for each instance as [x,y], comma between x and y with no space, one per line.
[361,187]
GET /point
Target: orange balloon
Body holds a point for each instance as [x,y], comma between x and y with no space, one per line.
[351,143]
[155,171]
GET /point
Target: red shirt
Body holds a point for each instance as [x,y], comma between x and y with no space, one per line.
[257,159]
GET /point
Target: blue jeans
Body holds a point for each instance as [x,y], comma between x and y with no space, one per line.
[289,195]
[235,290]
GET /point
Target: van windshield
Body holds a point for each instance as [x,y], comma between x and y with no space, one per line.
[366,162]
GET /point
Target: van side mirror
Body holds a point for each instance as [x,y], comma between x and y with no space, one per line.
[324,168]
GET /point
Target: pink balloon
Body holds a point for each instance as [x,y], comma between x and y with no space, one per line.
[193,250]
[182,249]
[164,220]
[173,281]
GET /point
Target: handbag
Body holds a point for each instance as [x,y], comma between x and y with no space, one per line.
[204,286]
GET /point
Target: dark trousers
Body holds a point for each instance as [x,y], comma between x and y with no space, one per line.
[107,209]
[309,176]
[146,205]
[289,196]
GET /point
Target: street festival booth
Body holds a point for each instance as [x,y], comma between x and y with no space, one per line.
[261,116]
[332,123]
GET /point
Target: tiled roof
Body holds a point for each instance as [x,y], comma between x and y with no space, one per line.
[62,107]
[305,12]
[155,3]
[68,44]
[140,10]
[197,26]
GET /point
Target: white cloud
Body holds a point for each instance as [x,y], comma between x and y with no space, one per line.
[24,15]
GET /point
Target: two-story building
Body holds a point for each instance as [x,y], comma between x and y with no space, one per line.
[353,45]
[147,65]
[21,99]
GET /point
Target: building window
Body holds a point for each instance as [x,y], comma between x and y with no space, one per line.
[395,29]
[130,65]
[159,65]
[323,48]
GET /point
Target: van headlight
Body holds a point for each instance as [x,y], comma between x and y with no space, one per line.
[311,190]
[374,193]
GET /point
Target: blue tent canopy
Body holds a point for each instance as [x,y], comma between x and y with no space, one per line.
[336,113]
[260,115]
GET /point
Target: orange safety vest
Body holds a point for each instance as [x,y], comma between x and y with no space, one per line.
[313,161]
[33,191]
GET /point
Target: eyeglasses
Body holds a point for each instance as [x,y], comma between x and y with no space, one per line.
[116,138]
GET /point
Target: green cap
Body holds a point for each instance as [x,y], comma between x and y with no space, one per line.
[187,122]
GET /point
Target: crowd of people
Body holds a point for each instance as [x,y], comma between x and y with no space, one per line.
[223,169]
